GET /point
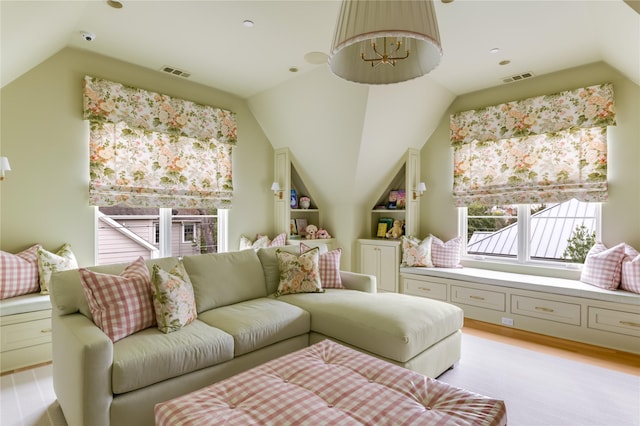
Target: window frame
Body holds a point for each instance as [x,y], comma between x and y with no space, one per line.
[163,225]
[523,258]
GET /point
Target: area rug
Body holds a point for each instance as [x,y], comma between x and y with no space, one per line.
[541,389]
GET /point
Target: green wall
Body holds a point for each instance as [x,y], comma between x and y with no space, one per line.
[620,215]
[45,197]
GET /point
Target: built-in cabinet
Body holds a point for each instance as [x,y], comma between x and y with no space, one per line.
[286,174]
[585,315]
[381,256]
[25,339]
[381,259]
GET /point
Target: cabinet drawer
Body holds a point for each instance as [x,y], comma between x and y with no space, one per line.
[25,334]
[568,313]
[481,298]
[425,289]
[616,321]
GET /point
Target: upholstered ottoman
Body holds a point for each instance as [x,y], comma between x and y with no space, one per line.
[328,383]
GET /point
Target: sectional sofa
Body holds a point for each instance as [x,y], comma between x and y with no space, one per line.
[240,324]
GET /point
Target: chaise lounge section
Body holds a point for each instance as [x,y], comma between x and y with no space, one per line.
[240,324]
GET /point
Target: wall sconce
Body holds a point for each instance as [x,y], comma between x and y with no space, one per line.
[277,191]
[4,166]
[420,190]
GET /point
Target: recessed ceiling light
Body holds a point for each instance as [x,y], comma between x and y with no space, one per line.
[494,50]
[293,69]
[316,58]
[115,4]
[505,62]
[447,1]
[248,23]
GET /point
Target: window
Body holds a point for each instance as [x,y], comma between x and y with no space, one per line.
[188,232]
[556,232]
[126,233]
[160,172]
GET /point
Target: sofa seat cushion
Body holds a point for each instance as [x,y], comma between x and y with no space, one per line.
[394,326]
[151,356]
[257,323]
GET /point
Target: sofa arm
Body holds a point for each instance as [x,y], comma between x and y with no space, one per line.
[356,281]
[82,359]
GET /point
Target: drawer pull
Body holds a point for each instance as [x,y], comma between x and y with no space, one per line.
[476,297]
[630,324]
[543,309]
[424,288]
[45,330]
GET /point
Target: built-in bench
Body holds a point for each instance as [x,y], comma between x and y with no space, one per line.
[25,331]
[557,307]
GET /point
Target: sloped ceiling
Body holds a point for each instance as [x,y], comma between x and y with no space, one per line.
[346,137]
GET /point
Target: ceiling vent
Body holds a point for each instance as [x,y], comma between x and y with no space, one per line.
[517,77]
[175,71]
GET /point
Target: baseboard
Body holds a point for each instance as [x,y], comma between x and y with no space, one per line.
[597,355]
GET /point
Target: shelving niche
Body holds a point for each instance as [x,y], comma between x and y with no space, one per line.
[381,256]
[286,173]
[406,178]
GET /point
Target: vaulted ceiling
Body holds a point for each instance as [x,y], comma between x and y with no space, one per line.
[347,137]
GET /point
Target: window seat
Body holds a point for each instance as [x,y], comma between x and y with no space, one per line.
[558,307]
[25,331]
[529,282]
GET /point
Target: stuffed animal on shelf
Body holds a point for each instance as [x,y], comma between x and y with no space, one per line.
[312,232]
[395,231]
[322,234]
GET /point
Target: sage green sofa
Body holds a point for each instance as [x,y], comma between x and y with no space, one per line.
[240,325]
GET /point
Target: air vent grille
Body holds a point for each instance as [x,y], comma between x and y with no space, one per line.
[517,77]
[175,71]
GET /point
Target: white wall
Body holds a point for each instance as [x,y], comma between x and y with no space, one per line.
[45,196]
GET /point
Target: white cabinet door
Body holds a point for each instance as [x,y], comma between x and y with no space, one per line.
[382,261]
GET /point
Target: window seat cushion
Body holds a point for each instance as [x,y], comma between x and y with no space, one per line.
[562,286]
[26,303]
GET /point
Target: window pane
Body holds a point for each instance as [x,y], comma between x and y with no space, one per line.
[492,230]
[562,232]
[126,233]
[194,231]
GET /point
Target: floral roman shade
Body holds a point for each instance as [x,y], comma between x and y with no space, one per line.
[151,150]
[538,150]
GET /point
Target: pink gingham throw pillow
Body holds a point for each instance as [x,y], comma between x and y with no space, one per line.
[120,304]
[446,255]
[279,240]
[630,274]
[19,272]
[329,264]
[602,266]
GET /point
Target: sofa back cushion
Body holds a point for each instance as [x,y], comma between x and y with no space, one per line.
[270,265]
[221,279]
[67,296]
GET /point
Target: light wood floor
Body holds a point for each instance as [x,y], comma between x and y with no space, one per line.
[624,362]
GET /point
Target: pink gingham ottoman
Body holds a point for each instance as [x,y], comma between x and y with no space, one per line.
[328,383]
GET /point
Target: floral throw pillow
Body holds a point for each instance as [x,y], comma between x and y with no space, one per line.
[48,263]
[261,242]
[446,255]
[19,272]
[630,273]
[416,252]
[120,304]
[329,264]
[173,298]
[603,266]
[299,274]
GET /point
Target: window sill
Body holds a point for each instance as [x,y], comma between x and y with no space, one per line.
[569,271]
